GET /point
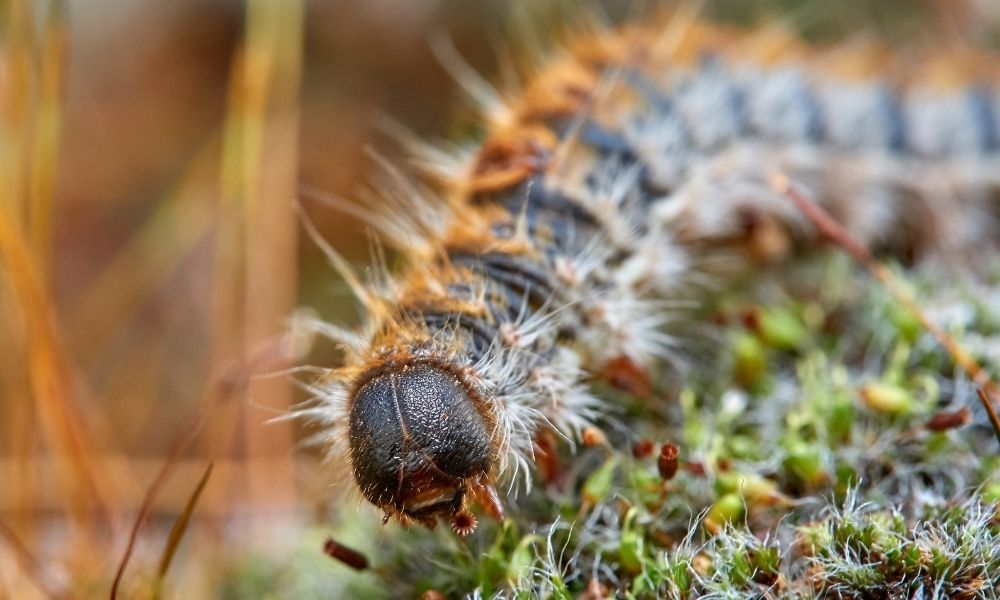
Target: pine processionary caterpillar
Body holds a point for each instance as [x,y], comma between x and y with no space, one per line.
[591,193]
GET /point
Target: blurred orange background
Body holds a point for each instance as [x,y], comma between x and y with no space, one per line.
[151,156]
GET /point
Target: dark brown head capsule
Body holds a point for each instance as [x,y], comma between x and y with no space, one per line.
[420,440]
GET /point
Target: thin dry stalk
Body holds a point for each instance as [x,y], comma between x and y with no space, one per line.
[181,221]
[994,419]
[45,141]
[53,387]
[33,53]
[231,384]
[177,532]
[834,233]
[256,244]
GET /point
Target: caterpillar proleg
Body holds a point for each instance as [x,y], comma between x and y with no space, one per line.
[595,191]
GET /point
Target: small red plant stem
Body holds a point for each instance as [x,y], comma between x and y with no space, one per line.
[344,554]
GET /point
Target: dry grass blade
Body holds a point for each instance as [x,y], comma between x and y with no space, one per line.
[32,52]
[17,46]
[151,493]
[255,236]
[53,387]
[45,145]
[231,383]
[833,232]
[994,419]
[256,241]
[223,389]
[155,252]
[177,531]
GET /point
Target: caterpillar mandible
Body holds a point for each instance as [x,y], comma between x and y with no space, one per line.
[593,191]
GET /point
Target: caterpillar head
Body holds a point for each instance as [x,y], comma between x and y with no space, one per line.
[421,444]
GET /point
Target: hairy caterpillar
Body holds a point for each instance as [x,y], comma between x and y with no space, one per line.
[591,194]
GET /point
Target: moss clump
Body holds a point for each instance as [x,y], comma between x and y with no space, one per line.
[952,552]
[805,467]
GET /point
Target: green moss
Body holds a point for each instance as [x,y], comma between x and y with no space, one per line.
[809,430]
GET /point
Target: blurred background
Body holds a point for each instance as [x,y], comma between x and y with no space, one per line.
[150,160]
[152,155]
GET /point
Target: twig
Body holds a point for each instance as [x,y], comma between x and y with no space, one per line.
[177,531]
[224,388]
[994,419]
[232,381]
[179,446]
[835,233]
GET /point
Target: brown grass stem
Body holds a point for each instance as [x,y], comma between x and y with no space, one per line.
[833,232]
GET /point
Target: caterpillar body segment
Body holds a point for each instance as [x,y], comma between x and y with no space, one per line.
[586,203]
